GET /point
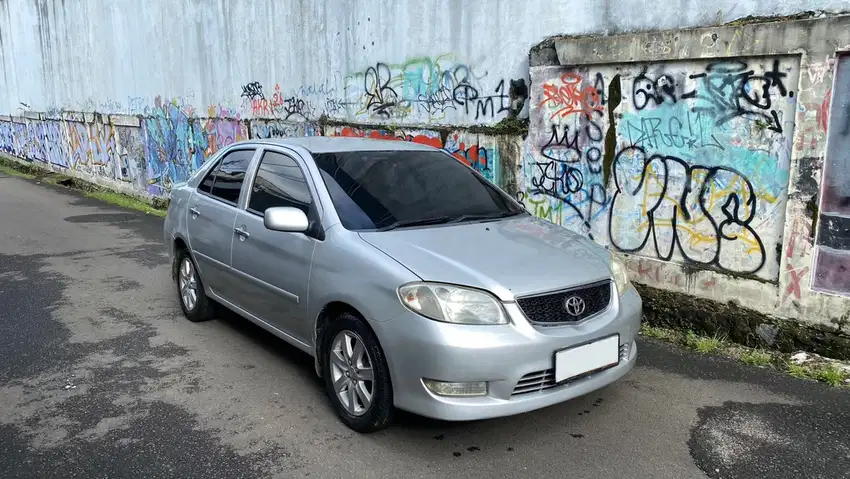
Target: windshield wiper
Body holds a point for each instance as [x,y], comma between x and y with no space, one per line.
[420,222]
[490,216]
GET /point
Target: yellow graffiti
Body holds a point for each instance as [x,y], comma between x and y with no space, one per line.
[699,221]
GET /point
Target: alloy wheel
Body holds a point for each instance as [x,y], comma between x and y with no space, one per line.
[351,372]
[188,283]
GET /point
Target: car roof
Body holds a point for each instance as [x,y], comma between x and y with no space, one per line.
[328,144]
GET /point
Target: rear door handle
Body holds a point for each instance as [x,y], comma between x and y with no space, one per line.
[195,212]
[243,235]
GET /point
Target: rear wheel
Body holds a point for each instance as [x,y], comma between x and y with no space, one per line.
[357,380]
[190,290]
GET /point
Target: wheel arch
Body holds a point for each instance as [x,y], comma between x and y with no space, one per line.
[179,244]
[329,313]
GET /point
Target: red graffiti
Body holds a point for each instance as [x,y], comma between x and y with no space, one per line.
[810,136]
[388,135]
[823,111]
[473,155]
[570,97]
[262,106]
[795,275]
[644,272]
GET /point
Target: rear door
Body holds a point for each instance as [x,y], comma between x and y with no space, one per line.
[212,211]
[274,266]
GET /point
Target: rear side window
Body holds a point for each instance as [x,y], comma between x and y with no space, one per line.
[279,182]
[225,180]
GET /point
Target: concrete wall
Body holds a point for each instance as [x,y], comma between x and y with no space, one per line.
[700,154]
[445,62]
[200,74]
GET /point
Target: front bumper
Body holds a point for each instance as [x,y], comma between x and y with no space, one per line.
[417,348]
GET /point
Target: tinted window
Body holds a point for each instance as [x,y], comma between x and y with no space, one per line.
[228,175]
[207,183]
[279,182]
[377,189]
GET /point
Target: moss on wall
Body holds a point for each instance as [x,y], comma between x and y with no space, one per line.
[742,325]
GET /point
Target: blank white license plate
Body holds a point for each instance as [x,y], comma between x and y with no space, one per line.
[597,355]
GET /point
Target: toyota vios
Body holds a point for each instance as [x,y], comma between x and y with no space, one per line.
[413,281]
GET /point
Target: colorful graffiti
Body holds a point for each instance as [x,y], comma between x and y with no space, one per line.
[176,144]
[478,151]
[430,138]
[431,89]
[96,148]
[685,162]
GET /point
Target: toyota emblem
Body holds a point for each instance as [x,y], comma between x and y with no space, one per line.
[574,305]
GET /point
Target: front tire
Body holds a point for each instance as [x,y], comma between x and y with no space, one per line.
[194,302]
[357,379]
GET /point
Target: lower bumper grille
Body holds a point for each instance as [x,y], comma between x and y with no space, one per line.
[545,379]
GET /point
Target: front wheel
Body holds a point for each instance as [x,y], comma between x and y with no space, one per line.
[357,379]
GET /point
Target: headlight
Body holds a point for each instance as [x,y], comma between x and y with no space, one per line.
[452,304]
[621,279]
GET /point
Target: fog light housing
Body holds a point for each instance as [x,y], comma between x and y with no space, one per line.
[441,388]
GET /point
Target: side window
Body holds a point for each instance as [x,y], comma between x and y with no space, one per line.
[225,180]
[279,182]
[207,183]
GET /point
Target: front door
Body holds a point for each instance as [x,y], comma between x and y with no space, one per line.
[212,211]
[275,265]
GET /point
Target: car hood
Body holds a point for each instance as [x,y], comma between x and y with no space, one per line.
[511,257]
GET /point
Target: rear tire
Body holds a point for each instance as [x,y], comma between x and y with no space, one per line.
[357,379]
[193,299]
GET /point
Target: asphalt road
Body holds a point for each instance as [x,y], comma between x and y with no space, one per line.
[100,376]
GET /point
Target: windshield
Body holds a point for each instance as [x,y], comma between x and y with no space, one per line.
[388,189]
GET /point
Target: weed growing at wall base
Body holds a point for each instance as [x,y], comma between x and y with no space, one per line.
[834,373]
[90,190]
[11,171]
[125,201]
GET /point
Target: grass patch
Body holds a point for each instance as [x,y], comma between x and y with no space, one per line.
[658,333]
[830,374]
[157,206]
[703,344]
[124,201]
[12,171]
[797,370]
[816,368]
[756,357]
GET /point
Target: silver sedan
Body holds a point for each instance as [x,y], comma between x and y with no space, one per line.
[413,281]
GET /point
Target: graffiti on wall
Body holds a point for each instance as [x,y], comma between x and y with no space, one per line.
[425,137]
[476,150]
[433,90]
[176,144]
[281,129]
[96,148]
[832,243]
[277,104]
[685,162]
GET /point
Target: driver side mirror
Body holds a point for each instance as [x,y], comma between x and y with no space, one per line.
[286,218]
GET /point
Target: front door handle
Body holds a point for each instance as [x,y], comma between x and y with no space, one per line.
[243,234]
[195,212]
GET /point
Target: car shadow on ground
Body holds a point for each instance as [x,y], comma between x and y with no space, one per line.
[303,364]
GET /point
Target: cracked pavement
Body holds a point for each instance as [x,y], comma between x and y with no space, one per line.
[101,376]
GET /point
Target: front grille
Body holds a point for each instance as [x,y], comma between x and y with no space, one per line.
[542,380]
[549,309]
